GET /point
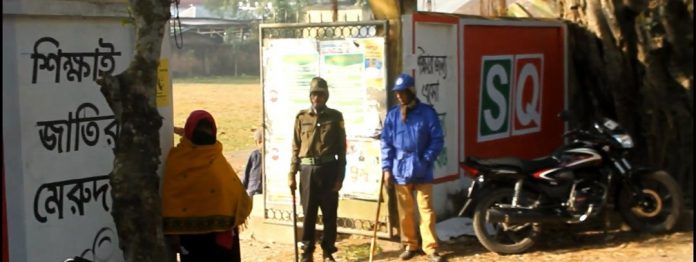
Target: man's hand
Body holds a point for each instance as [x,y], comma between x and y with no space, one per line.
[175,243]
[178,131]
[386,175]
[339,179]
[291,182]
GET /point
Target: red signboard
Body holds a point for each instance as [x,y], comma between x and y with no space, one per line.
[514,88]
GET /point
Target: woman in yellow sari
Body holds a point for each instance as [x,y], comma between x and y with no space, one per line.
[203,200]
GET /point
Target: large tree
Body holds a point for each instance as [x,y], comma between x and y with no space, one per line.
[131,95]
[632,60]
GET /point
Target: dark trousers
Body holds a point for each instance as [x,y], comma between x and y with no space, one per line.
[316,191]
[203,247]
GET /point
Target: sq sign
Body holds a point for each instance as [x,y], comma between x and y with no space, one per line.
[510,95]
[514,87]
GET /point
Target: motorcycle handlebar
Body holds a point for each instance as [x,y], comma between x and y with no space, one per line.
[586,136]
[577,133]
[573,132]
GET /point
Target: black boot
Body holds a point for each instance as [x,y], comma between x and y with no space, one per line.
[307,257]
[328,250]
[307,251]
[329,258]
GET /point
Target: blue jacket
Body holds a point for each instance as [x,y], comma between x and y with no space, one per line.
[409,149]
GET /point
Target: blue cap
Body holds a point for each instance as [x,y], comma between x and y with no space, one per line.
[403,82]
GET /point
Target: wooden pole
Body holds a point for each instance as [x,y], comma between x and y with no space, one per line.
[376,225]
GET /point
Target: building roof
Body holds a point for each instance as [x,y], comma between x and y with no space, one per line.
[211,22]
[191,2]
[200,11]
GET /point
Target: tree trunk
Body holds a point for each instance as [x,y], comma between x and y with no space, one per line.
[631,60]
[134,180]
[492,7]
[334,11]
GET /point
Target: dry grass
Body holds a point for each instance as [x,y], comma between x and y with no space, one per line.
[235,104]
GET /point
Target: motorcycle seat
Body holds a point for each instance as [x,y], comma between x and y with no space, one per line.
[522,165]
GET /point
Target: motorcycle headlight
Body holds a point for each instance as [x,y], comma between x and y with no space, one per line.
[624,139]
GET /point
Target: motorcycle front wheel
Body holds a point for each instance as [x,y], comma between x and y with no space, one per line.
[656,208]
[502,238]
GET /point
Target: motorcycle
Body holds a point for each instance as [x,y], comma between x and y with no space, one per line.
[512,199]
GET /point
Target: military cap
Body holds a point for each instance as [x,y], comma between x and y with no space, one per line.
[318,84]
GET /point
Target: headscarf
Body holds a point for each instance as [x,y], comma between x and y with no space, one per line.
[201,193]
[200,128]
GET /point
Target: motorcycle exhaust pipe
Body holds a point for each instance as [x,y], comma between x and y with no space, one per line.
[520,216]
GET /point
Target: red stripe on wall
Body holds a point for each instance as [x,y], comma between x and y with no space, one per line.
[435,18]
[445,179]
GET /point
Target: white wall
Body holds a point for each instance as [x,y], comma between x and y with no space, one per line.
[58,131]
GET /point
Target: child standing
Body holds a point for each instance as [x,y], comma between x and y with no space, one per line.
[252,174]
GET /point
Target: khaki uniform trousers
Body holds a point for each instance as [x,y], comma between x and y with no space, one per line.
[407,223]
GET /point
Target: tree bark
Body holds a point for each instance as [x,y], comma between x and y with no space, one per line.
[492,7]
[134,180]
[334,11]
[631,60]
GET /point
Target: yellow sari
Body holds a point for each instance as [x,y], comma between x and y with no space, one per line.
[201,193]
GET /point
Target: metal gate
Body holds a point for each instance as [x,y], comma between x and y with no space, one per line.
[355,216]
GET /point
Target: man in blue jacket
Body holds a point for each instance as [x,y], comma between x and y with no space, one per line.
[412,138]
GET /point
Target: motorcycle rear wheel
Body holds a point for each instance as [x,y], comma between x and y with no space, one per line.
[500,237]
[656,208]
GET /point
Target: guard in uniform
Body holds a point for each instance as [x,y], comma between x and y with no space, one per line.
[319,153]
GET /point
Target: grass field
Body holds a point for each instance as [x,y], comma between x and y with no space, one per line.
[218,80]
[235,103]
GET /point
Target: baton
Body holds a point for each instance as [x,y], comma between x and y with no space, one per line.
[294,225]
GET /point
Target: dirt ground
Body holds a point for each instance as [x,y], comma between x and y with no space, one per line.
[616,246]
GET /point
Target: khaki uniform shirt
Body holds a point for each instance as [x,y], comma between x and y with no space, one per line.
[318,135]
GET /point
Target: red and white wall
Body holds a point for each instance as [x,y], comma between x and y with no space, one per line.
[496,84]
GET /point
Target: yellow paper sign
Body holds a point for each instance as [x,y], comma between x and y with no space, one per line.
[163,83]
